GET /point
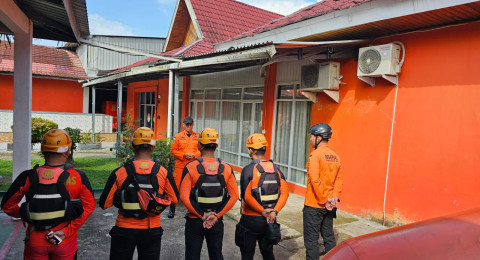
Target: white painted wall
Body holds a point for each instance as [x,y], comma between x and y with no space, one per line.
[82,121]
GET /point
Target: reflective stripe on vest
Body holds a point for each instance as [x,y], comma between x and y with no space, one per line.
[269,197]
[210,200]
[47,215]
[143,186]
[47,196]
[130,206]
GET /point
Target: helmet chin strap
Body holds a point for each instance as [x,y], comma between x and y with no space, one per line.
[317,143]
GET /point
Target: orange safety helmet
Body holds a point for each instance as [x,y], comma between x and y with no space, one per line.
[144,135]
[256,141]
[56,141]
[208,136]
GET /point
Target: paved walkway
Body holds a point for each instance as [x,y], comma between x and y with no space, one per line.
[94,241]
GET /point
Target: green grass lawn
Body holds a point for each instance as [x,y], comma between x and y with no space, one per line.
[97,170]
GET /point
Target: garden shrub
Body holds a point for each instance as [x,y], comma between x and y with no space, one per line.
[40,127]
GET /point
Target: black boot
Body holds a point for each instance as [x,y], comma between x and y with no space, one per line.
[171,213]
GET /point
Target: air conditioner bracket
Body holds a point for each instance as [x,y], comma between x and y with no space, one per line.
[312,96]
[392,78]
[370,81]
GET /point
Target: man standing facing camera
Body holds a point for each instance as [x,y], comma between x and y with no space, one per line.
[184,148]
[59,199]
[324,186]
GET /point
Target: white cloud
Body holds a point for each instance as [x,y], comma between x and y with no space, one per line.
[284,7]
[102,26]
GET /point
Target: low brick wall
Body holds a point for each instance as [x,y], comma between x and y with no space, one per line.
[6,137]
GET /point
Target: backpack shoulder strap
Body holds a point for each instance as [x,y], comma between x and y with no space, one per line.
[33,179]
[201,173]
[130,169]
[62,190]
[221,176]
[153,175]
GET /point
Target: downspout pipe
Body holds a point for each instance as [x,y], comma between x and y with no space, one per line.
[389,154]
[171,84]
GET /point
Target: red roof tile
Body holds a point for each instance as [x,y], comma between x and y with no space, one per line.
[314,10]
[219,20]
[46,61]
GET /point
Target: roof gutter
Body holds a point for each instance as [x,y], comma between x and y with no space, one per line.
[265,52]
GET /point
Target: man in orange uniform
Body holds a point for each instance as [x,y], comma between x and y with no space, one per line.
[324,186]
[59,199]
[185,150]
[208,190]
[264,193]
[134,227]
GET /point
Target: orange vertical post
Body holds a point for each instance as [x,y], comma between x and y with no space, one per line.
[269,104]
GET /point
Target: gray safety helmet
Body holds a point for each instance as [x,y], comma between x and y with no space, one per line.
[323,130]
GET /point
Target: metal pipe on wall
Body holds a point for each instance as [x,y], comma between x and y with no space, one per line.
[93,114]
[119,111]
[171,83]
[176,93]
[389,153]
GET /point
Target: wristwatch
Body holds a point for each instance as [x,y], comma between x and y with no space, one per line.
[276,212]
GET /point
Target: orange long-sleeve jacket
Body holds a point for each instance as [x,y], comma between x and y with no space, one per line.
[250,205]
[183,144]
[189,179]
[115,182]
[324,177]
[78,187]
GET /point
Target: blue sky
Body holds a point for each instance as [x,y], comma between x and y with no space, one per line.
[152,17]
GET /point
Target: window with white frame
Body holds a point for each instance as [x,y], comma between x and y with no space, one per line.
[234,112]
[146,111]
[292,124]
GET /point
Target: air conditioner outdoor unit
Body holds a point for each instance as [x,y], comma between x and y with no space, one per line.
[376,61]
[320,76]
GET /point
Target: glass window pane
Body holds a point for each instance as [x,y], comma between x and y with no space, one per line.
[233,93]
[141,98]
[246,124]
[253,93]
[147,100]
[285,92]
[197,94]
[298,176]
[212,114]
[301,128]
[299,95]
[180,95]
[230,126]
[244,161]
[199,117]
[282,132]
[213,94]
[141,115]
[257,121]
[180,119]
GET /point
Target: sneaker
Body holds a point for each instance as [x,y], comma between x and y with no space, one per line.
[171,214]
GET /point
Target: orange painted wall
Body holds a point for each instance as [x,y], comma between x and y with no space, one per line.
[160,87]
[435,156]
[50,95]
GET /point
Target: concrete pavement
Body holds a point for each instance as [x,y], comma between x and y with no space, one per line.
[94,241]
